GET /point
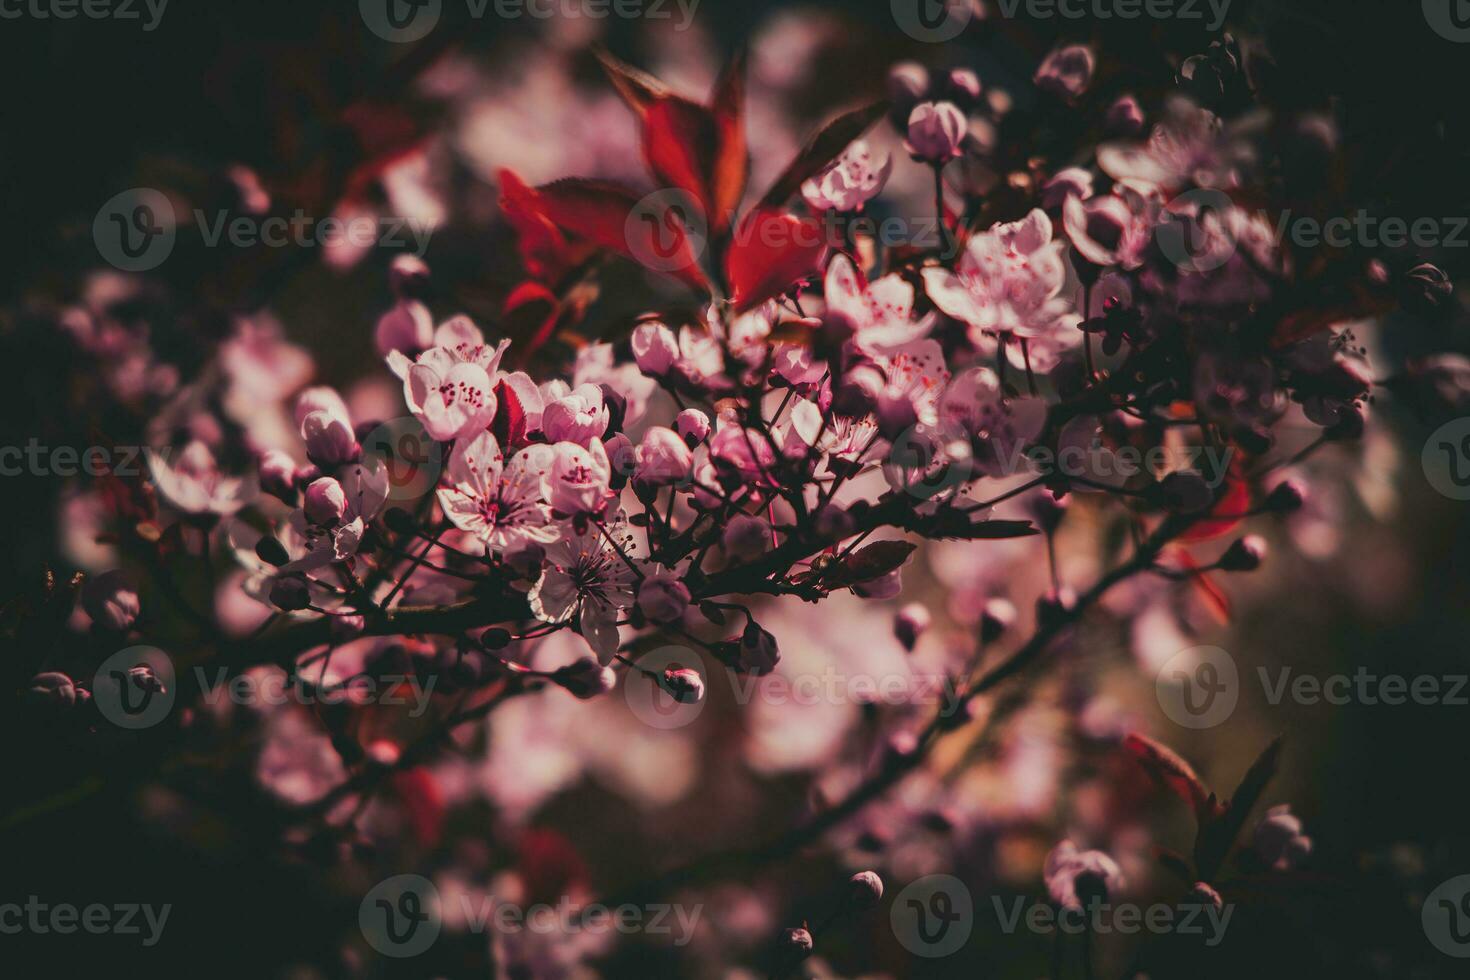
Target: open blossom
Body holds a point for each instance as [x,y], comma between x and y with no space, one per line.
[879,312]
[578,416]
[408,326]
[1014,279]
[504,505]
[587,582]
[850,181]
[192,481]
[1113,229]
[449,388]
[580,478]
[1067,71]
[998,427]
[314,541]
[1188,145]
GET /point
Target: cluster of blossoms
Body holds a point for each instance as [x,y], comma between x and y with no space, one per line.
[549,507]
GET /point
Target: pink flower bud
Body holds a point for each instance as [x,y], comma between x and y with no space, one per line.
[1125,117]
[54,689]
[965,85]
[747,537]
[277,472]
[663,458]
[322,399]
[907,82]
[662,597]
[290,594]
[111,601]
[865,889]
[329,440]
[998,616]
[757,652]
[655,349]
[408,275]
[1067,71]
[325,502]
[935,132]
[693,425]
[1244,555]
[1279,840]
[683,685]
[580,478]
[797,943]
[579,417]
[586,678]
[910,623]
[408,327]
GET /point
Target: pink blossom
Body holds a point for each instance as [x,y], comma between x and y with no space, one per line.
[662,597]
[586,579]
[655,348]
[879,312]
[1099,875]
[580,478]
[506,506]
[192,482]
[408,326]
[850,181]
[325,502]
[663,458]
[579,416]
[1067,71]
[111,600]
[693,425]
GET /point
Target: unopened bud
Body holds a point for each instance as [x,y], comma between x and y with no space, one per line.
[585,679]
[910,623]
[1244,555]
[684,685]
[865,889]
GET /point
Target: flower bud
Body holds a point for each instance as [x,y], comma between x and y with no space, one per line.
[758,652]
[964,86]
[833,523]
[1244,554]
[408,327]
[408,275]
[1125,117]
[910,623]
[683,685]
[865,889]
[935,132]
[998,616]
[277,472]
[322,399]
[907,83]
[662,597]
[111,601]
[1426,289]
[663,458]
[329,440]
[579,417]
[1067,71]
[654,348]
[53,689]
[747,537]
[797,943]
[325,502]
[585,679]
[1202,894]
[290,594]
[1285,498]
[693,425]
[270,550]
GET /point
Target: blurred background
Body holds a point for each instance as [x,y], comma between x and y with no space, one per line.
[222,100]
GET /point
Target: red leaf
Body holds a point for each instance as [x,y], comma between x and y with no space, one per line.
[422,803]
[692,147]
[771,252]
[509,424]
[529,316]
[550,866]
[545,251]
[1173,772]
[1229,509]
